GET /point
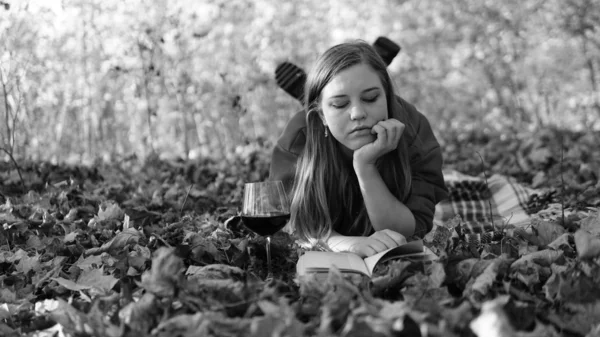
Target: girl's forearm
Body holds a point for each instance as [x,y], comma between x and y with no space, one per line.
[384,209]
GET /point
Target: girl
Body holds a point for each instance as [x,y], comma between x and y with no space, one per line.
[362,165]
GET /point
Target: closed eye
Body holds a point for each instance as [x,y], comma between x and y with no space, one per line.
[371,99]
[339,105]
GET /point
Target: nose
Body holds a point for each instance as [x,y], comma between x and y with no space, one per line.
[357,112]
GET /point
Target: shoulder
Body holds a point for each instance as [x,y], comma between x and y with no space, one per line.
[293,137]
[408,113]
[418,129]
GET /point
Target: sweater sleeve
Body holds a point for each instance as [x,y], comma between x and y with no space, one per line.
[428,187]
[287,150]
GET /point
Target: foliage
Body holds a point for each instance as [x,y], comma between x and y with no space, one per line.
[150,248]
[111,78]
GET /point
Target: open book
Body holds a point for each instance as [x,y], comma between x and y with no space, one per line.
[312,262]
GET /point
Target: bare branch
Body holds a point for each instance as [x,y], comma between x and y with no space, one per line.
[16,166]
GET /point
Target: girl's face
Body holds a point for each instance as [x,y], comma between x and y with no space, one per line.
[352,103]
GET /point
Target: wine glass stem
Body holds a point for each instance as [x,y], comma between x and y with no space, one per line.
[269,269]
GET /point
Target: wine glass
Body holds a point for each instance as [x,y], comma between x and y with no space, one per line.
[265,211]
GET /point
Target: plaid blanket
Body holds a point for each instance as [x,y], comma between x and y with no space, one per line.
[485,206]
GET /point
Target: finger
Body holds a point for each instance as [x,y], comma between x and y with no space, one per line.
[391,131]
[396,129]
[398,238]
[385,239]
[377,245]
[364,250]
[381,133]
[399,130]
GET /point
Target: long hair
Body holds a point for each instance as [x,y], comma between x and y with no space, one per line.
[326,195]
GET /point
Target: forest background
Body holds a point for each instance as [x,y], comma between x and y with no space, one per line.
[82,80]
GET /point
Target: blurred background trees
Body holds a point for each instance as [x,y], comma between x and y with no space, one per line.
[86,79]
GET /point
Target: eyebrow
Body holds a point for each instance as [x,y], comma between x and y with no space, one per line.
[364,91]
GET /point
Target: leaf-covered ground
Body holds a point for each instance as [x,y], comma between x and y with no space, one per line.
[144,249]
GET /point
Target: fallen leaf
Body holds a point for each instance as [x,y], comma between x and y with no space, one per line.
[7,331]
[540,156]
[591,223]
[109,211]
[540,330]
[544,258]
[561,242]
[95,278]
[164,277]
[436,273]
[90,262]
[587,246]
[119,242]
[578,318]
[552,286]
[547,231]
[577,287]
[4,313]
[216,271]
[7,296]
[142,315]
[73,286]
[27,264]
[70,237]
[480,285]
[492,321]
[279,320]
[72,320]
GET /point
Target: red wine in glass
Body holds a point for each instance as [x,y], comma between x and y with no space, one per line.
[267,224]
[266,210]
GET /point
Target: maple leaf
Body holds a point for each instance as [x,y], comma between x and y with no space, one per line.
[165,276]
[89,279]
[591,223]
[95,278]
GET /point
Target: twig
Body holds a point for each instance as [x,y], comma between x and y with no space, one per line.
[488,186]
[159,238]
[185,200]
[16,166]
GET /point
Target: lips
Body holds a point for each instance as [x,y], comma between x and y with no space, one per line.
[360,128]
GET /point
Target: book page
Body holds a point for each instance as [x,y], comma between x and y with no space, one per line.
[411,248]
[312,261]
